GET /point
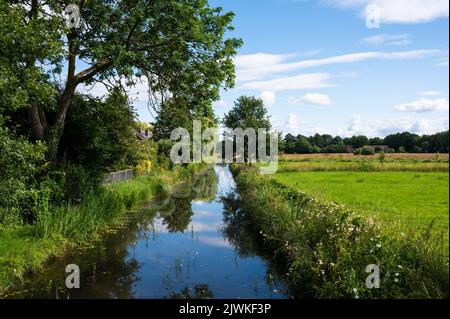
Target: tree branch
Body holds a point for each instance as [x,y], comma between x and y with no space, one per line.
[89,73]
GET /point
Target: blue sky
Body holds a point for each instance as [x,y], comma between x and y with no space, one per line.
[320,69]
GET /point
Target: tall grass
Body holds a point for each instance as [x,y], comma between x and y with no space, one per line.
[388,157]
[99,211]
[361,166]
[324,248]
[27,247]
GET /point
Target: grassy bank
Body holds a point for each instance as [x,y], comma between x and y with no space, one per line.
[399,199]
[324,248]
[25,248]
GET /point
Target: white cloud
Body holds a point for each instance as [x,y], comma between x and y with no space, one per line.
[220,104]
[430,93]
[312,52]
[355,126]
[312,99]
[410,124]
[298,82]
[269,98]
[96,90]
[423,105]
[386,39]
[254,67]
[256,60]
[213,241]
[381,128]
[293,120]
[421,125]
[137,92]
[399,11]
[292,125]
[442,62]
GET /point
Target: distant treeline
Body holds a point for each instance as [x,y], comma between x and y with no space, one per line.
[399,142]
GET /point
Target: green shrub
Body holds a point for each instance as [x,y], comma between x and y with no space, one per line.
[145,150]
[22,193]
[80,181]
[364,151]
[100,134]
[164,147]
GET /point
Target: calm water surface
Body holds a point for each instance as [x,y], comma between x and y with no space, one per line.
[182,245]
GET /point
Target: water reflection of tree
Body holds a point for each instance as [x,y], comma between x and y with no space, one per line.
[204,187]
[179,219]
[236,227]
[176,209]
[108,269]
[201,291]
[241,235]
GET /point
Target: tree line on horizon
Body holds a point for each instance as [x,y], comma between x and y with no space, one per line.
[398,142]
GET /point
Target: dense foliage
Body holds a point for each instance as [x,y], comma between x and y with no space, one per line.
[57,144]
[24,188]
[177,47]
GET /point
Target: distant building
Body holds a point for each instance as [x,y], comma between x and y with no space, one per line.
[380,148]
[144,134]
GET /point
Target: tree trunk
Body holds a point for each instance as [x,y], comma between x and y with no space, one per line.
[37,126]
[36,116]
[56,131]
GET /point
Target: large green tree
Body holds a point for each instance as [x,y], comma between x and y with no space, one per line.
[178,46]
[248,113]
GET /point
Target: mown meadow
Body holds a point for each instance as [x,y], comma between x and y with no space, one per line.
[400,199]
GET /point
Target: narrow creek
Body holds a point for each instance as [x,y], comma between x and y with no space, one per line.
[182,245]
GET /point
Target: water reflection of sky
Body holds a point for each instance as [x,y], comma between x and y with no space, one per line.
[225,180]
[199,255]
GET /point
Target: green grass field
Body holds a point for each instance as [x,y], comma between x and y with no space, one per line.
[399,199]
